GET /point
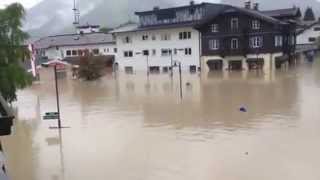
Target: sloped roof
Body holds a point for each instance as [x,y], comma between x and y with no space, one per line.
[293,12]
[228,9]
[74,40]
[306,27]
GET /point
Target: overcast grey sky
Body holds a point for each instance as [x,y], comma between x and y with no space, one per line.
[30,3]
[25,3]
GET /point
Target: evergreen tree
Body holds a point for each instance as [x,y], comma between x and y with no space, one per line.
[12,74]
[309,15]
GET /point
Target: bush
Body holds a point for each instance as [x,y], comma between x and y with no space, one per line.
[91,67]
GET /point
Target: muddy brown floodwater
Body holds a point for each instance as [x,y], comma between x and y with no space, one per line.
[135,128]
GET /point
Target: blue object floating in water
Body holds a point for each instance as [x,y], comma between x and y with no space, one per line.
[243,109]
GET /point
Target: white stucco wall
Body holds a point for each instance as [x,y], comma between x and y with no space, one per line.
[60,53]
[139,62]
[303,38]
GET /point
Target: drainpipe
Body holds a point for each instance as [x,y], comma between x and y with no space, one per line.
[200,52]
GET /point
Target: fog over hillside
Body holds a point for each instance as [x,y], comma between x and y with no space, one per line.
[55,16]
[270,4]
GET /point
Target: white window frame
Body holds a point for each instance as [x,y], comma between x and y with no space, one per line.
[214,28]
[236,25]
[256,42]
[128,54]
[185,35]
[188,51]
[165,37]
[165,54]
[236,41]
[214,44]
[256,24]
[127,40]
[145,37]
[154,52]
[278,41]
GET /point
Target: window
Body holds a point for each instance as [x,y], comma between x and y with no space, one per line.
[74,52]
[127,40]
[256,42]
[278,41]
[214,44]
[128,69]
[187,51]
[154,37]
[115,50]
[95,51]
[145,37]
[104,50]
[154,52]
[184,35]
[175,51]
[165,69]
[128,53]
[255,24]
[316,29]
[165,52]
[145,52]
[193,69]
[165,37]
[68,53]
[234,43]
[192,11]
[312,39]
[215,28]
[154,69]
[234,23]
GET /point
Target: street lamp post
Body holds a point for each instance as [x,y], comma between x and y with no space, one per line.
[57,95]
[178,64]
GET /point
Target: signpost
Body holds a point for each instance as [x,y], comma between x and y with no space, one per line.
[55,115]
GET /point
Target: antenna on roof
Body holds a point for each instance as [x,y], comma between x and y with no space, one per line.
[76,12]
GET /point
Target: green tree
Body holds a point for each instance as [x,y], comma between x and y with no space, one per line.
[91,67]
[12,75]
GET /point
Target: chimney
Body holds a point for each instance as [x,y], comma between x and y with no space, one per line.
[256,6]
[247,4]
[191,3]
[156,8]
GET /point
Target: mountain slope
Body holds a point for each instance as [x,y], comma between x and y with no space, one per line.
[268,4]
[56,16]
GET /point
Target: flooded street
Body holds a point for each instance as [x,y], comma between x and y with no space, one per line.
[137,128]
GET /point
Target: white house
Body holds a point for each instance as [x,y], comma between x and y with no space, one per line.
[69,45]
[161,39]
[309,34]
[157,49]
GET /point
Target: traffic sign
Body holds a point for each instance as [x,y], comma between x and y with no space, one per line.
[51,116]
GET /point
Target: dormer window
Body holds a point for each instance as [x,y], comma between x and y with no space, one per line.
[255,24]
[234,43]
[234,23]
[215,28]
[192,11]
